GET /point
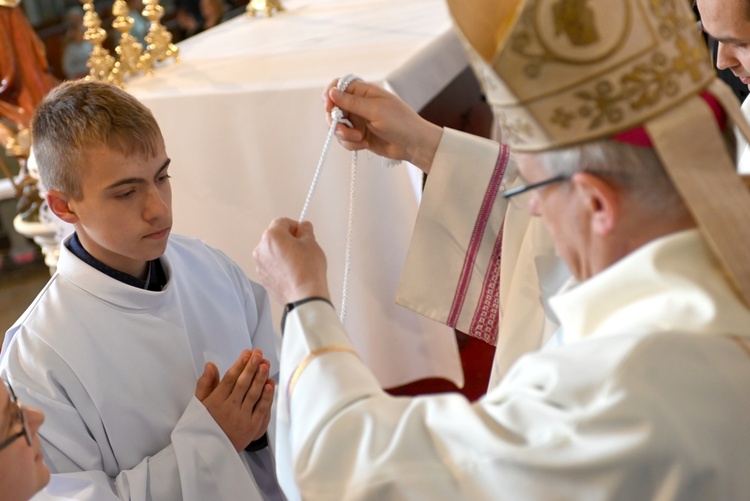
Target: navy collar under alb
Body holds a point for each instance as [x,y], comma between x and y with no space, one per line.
[156,278]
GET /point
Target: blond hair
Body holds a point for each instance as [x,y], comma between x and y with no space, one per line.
[80,115]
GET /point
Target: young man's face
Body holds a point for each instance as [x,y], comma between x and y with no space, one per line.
[728,22]
[124,216]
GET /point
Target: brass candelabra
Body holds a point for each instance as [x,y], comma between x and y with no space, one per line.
[263,7]
[132,57]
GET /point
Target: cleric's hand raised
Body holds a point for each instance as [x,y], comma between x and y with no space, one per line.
[383,124]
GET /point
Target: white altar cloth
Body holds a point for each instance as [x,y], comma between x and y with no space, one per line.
[243,121]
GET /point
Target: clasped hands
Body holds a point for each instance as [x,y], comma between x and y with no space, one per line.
[240,402]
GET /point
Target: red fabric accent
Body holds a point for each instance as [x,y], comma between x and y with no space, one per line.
[477,234]
[639,137]
[476,359]
[486,320]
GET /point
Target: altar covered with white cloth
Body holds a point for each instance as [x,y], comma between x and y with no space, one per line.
[244,125]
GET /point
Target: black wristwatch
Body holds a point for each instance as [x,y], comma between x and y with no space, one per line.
[290,306]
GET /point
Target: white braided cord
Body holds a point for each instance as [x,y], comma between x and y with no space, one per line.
[350,226]
[337,116]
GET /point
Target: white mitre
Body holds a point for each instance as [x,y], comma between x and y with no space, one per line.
[561,72]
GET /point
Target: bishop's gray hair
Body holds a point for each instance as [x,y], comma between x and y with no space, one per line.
[638,170]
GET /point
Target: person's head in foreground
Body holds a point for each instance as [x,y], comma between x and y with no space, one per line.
[22,469]
[102,160]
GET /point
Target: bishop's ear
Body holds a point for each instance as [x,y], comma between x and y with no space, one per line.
[58,203]
[600,199]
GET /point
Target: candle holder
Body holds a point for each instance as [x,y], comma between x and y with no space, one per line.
[132,56]
[100,62]
[264,7]
[158,38]
[129,50]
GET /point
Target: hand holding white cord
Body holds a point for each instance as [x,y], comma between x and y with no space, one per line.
[337,116]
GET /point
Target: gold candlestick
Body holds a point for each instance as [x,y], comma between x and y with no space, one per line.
[100,63]
[159,39]
[264,7]
[129,50]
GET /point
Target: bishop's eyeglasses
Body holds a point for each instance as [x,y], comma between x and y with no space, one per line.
[20,418]
[521,195]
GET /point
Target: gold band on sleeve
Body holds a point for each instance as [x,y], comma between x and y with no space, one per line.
[309,358]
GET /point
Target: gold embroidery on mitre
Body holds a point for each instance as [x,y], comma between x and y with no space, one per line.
[568,31]
[575,19]
[647,83]
[552,84]
[513,131]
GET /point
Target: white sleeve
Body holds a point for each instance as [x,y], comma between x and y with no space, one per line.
[264,336]
[200,463]
[587,422]
[258,313]
[208,466]
[743,150]
[91,486]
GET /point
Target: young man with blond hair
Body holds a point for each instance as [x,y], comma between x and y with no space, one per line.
[124,347]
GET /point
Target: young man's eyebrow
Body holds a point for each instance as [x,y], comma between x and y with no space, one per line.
[721,40]
[164,166]
[138,180]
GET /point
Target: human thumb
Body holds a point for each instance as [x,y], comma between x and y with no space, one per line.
[207,382]
[345,100]
[304,229]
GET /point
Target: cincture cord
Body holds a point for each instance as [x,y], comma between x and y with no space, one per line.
[337,116]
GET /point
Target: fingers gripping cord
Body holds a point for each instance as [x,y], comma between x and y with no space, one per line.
[337,116]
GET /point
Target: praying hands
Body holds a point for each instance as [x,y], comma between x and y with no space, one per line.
[241,402]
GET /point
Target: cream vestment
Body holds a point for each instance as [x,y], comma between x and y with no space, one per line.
[455,272]
[646,401]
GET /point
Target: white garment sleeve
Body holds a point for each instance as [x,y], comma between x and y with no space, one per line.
[264,336]
[91,486]
[259,315]
[602,420]
[199,464]
[743,149]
